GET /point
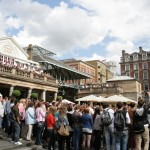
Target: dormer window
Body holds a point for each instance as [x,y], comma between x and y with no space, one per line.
[127,58]
[135,57]
[144,56]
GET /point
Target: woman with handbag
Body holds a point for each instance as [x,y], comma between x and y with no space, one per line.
[62,125]
[30,119]
[50,124]
[40,118]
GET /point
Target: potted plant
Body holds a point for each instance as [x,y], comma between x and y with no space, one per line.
[16,93]
[59,98]
[34,95]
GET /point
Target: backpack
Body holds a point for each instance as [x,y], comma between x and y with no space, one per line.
[138,125]
[105,118]
[119,121]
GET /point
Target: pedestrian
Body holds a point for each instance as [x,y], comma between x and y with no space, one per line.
[40,119]
[30,120]
[140,121]
[16,123]
[77,127]
[109,131]
[87,125]
[121,124]
[50,124]
[97,129]
[1,110]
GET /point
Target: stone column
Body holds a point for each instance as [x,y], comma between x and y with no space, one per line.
[55,96]
[11,90]
[29,93]
[44,95]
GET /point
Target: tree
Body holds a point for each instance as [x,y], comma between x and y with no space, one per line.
[59,98]
[16,93]
[34,95]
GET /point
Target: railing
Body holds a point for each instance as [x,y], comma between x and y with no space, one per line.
[114,89]
[5,69]
[13,72]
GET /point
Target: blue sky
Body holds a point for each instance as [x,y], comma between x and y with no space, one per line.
[80,29]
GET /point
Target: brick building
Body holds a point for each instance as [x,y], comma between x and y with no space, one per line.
[83,67]
[137,65]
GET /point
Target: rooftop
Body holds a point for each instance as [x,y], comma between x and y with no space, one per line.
[121,78]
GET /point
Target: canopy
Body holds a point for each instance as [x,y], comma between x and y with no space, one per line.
[118,98]
[101,99]
[67,101]
[90,98]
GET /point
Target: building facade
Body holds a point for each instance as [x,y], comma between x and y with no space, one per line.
[111,66]
[131,87]
[83,67]
[102,71]
[137,65]
[17,72]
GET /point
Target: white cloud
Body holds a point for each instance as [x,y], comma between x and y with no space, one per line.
[93,57]
[115,47]
[62,28]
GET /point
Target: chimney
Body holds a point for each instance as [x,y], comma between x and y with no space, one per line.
[30,51]
[123,53]
[140,49]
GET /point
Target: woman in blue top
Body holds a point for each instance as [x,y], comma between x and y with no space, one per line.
[62,119]
[87,124]
[30,119]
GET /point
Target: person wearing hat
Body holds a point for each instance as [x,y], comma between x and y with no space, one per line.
[1,111]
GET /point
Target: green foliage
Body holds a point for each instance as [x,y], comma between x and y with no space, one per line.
[59,98]
[34,95]
[16,93]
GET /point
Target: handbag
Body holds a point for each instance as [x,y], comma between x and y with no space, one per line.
[63,130]
[39,124]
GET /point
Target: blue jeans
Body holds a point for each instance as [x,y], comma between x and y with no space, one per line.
[52,139]
[109,135]
[39,132]
[76,137]
[121,140]
[16,131]
[7,125]
[1,120]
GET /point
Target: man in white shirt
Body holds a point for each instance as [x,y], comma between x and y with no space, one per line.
[1,111]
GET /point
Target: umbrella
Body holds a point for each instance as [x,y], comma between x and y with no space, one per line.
[118,98]
[101,99]
[67,101]
[90,98]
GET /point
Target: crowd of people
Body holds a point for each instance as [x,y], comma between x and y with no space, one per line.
[121,127]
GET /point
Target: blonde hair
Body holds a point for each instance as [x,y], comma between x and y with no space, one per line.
[52,110]
[62,110]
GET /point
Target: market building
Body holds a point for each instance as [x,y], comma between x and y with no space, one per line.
[44,75]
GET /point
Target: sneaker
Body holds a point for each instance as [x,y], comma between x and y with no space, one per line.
[20,139]
[18,143]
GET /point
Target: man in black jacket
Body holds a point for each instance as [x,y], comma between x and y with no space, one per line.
[140,118]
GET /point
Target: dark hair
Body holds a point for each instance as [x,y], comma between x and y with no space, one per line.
[105,105]
[140,103]
[30,104]
[16,101]
[86,110]
[119,105]
[132,104]
[97,112]
[69,108]
[124,103]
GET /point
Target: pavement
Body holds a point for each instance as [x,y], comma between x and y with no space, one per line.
[6,144]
